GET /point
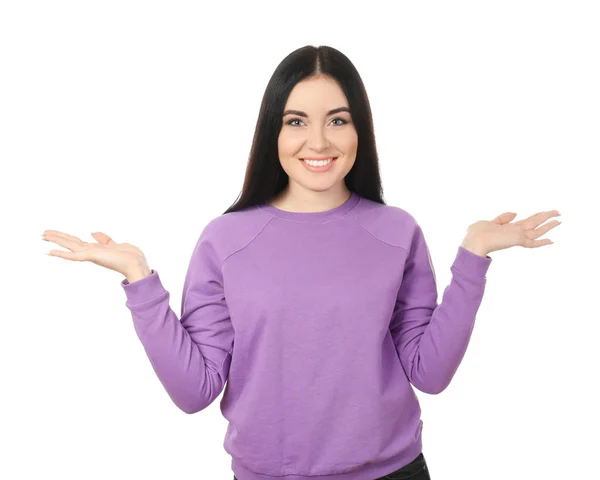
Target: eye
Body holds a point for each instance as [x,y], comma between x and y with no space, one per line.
[289,122]
[342,120]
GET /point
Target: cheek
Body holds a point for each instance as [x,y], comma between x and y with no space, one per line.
[352,140]
[346,140]
[289,145]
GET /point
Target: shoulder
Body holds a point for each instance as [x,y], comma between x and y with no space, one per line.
[390,224]
[233,231]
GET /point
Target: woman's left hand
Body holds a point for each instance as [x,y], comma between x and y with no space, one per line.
[486,236]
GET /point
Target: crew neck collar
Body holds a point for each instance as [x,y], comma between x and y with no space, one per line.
[314,217]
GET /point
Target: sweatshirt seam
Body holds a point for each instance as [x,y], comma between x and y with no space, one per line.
[247,244]
[463,273]
[380,239]
[140,307]
[459,268]
[309,222]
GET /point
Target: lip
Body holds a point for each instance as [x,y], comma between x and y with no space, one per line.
[318,158]
[321,169]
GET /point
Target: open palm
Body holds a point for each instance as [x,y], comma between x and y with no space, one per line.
[499,233]
[120,257]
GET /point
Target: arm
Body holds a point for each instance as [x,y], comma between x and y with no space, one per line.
[191,357]
[431,338]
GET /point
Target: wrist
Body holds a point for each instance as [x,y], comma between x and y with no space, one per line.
[475,246]
[137,273]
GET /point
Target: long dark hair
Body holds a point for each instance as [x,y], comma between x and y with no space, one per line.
[265,177]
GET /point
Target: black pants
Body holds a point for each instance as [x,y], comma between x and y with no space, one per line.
[415,470]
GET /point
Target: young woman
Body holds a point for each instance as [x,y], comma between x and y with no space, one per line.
[310,297]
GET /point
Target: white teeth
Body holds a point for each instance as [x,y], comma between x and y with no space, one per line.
[318,163]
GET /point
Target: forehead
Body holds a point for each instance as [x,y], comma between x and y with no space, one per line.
[316,95]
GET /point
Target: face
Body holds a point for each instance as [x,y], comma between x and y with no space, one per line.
[317,123]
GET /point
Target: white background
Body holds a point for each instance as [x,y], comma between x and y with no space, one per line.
[136,119]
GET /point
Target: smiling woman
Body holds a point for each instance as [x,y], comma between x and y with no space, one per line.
[310,301]
[315,107]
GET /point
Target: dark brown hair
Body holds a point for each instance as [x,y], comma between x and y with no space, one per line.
[265,177]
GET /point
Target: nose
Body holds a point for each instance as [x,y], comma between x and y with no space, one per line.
[317,139]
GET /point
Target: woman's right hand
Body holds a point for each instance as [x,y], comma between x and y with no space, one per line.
[120,257]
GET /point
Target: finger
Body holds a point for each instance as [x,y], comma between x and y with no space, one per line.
[529,243]
[537,219]
[102,238]
[505,217]
[66,236]
[538,232]
[521,222]
[542,217]
[76,256]
[66,241]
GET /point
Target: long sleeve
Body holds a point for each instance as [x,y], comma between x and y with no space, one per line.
[431,338]
[191,357]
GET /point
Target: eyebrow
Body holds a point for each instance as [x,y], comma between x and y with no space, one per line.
[302,114]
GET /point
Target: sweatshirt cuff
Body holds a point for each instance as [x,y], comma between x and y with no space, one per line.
[144,290]
[471,263]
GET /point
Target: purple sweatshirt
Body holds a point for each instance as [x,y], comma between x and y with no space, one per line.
[319,323]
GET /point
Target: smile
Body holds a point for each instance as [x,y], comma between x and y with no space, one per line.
[319,165]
